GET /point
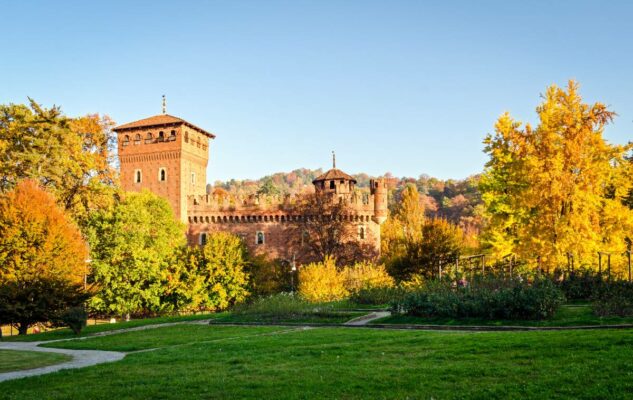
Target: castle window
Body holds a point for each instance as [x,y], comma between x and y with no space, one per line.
[161,136]
[137,139]
[162,175]
[332,185]
[149,138]
[361,232]
[186,137]
[172,136]
[203,239]
[259,238]
[193,178]
[126,140]
[304,238]
[138,177]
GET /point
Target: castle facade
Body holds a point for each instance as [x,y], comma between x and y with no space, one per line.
[168,156]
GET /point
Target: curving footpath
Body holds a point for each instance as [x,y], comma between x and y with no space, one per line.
[80,358]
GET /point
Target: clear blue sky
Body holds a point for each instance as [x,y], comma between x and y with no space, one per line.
[406,87]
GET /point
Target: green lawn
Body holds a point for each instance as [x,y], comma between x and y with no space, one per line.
[569,315]
[11,360]
[192,362]
[67,333]
[329,317]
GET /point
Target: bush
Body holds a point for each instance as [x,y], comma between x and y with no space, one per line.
[487,298]
[321,282]
[366,275]
[268,276]
[376,295]
[581,284]
[75,318]
[613,299]
[281,304]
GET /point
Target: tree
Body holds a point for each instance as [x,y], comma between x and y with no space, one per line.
[133,244]
[69,157]
[268,187]
[325,230]
[222,264]
[403,228]
[556,189]
[42,257]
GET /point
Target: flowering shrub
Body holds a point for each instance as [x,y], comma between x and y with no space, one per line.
[322,281]
[487,298]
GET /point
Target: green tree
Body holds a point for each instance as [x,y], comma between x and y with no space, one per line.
[69,157]
[222,264]
[133,246]
[42,257]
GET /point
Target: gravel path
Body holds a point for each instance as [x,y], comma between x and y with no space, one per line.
[80,358]
[365,319]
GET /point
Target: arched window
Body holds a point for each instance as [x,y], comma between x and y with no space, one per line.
[161,136]
[149,138]
[172,136]
[138,177]
[332,185]
[137,139]
[203,239]
[126,140]
[361,232]
[186,137]
[259,238]
[162,175]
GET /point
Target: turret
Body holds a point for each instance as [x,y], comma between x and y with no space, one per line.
[378,188]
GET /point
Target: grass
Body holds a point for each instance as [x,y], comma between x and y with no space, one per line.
[329,317]
[568,315]
[68,334]
[11,360]
[283,363]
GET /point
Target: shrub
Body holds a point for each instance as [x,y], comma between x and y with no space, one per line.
[75,318]
[366,275]
[268,276]
[321,282]
[281,304]
[613,299]
[581,284]
[376,295]
[487,298]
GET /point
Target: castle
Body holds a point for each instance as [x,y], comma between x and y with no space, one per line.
[168,156]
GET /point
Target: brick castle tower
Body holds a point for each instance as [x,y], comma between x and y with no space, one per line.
[166,155]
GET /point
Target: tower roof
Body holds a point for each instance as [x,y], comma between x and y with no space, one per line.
[160,120]
[333,175]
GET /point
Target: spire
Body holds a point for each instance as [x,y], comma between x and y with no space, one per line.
[164,105]
[333,159]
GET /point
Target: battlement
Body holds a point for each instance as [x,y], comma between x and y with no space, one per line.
[357,201]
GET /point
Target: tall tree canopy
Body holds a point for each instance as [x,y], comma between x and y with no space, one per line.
[133,244]
[70,157]
[42,257]
[559,188]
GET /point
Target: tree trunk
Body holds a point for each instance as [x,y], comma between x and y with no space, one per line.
[23,328]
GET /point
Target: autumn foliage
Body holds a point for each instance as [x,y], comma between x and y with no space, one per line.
[42,258]
[37,239]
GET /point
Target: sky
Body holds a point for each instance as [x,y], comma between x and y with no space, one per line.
[407,87]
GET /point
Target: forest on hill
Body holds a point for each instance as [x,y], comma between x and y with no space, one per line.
[456,200]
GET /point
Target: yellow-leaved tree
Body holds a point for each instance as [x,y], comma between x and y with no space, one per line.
[557,189]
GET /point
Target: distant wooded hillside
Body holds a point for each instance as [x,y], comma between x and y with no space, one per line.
[458,201]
